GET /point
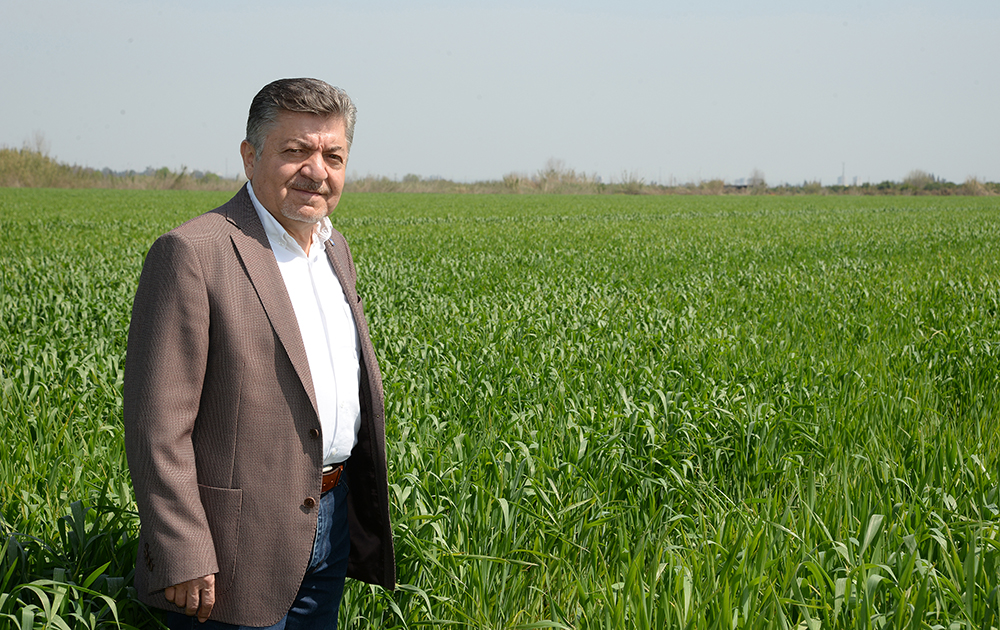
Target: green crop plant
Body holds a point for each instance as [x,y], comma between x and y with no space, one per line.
[603,411]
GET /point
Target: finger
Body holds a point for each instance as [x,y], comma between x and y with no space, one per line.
[169,594]
[180,595]
[207,603]
[193,593]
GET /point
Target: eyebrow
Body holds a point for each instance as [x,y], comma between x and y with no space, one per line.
[298,142]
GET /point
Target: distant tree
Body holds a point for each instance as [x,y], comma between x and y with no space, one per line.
[814,187]
[756,181]
[919,179]
[554,173]
[712,187]
[512,181]
[973,186]
[631,183]
[39,143]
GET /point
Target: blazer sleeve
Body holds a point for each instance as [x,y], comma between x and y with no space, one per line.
[164,373]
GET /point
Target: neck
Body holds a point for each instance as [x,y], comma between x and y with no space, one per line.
[300,231]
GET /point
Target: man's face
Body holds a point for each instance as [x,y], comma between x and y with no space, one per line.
[299,173]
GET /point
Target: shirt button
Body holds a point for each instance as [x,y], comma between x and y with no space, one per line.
[309,502]
[314,433]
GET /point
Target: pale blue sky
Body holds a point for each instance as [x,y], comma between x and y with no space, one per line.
[474,90]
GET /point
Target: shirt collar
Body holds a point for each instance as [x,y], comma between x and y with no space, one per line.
[277,232]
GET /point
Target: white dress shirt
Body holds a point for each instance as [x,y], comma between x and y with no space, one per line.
[328,331]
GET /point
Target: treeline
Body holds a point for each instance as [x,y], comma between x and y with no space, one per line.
[32,168]
[556,178]
[515,184]
[29,168]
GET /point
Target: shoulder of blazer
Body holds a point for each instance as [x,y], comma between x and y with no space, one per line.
[236,215]
[240,212]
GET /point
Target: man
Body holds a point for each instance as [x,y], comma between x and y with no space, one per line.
[253,405]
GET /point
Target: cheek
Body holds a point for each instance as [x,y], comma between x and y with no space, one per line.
[280,178]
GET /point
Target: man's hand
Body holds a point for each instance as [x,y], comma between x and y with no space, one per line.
[194,596]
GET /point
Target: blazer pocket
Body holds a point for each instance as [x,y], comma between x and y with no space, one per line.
[222,509]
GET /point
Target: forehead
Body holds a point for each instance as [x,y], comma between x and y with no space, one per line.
[288,126]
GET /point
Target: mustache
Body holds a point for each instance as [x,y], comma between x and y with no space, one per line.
[309,185]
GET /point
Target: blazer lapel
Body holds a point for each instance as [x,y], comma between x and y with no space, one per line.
[350,293]
[339,270]
[370,375]
[254,250]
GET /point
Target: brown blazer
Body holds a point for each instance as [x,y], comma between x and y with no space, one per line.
[221,426]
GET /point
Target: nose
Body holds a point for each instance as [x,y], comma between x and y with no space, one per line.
[313,167]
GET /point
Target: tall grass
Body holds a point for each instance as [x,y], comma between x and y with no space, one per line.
[637,412]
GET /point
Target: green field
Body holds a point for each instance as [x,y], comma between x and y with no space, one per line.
[603,412]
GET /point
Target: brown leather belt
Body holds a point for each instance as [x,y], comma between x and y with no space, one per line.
[331,476]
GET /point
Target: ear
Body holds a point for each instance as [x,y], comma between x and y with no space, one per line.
[249,158]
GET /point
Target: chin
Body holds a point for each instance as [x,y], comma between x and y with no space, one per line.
[307,214]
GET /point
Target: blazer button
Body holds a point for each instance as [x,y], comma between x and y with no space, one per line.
[314,433]
[309,502]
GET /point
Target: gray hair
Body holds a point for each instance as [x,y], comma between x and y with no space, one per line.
[310,96]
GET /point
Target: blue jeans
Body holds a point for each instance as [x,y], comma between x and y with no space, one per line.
[318,601]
